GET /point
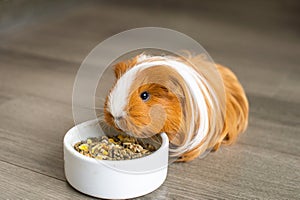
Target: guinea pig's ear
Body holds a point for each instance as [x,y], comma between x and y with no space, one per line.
[119,69]
[123,66]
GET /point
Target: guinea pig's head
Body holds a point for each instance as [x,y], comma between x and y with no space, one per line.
[142,102]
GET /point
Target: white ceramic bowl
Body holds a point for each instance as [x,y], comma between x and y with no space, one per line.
[120,179]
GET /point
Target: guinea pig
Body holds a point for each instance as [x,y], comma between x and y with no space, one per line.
[198,104]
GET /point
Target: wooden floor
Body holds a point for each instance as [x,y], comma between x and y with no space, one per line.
[39,60]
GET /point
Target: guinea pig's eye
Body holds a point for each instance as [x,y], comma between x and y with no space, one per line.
[145,96]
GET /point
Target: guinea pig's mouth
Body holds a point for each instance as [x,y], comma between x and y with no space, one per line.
[121,124]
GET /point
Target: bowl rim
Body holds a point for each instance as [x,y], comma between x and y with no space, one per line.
[69,147]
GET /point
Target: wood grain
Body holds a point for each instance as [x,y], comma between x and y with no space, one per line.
[38,65]
[20,183]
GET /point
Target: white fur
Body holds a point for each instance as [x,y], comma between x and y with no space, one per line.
[118,98]
[142,57]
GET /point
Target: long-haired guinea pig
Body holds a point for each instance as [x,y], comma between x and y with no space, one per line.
[198,104]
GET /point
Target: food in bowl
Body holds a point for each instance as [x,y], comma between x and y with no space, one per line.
[120,147]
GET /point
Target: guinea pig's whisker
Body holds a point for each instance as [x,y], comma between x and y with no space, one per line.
[90,108]
[101,120]
[104,125]
[100,117]
[100,98]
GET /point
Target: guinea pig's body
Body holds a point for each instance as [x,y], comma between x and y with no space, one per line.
[198,104]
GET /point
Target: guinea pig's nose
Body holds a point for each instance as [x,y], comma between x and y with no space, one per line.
[118,118]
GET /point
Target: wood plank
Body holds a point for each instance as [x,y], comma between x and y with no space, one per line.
[241,171]
[32,131]
[273,124]
[39,76]
[20,183]
[4,98]
[22,74]
[205,29]
[266,78]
